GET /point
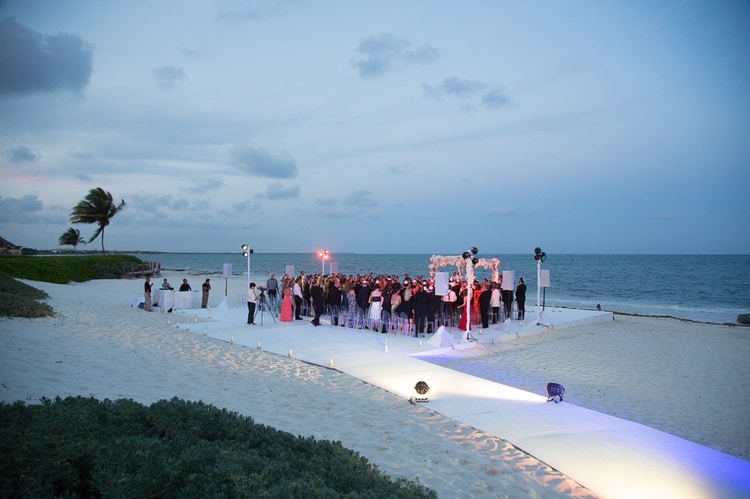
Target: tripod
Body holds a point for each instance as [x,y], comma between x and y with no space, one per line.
[262,306]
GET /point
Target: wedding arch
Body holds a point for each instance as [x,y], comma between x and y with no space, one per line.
[439,261]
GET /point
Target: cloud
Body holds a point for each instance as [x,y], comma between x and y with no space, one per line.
[453,86]
[327,201]
[21,154]
[168,76]
[206,185]
[246,206]
[85,177]
[261,163]
[33,62]
[82,155]
[360,199]
[496,99]
[13,210]
[380,53]
[278,191]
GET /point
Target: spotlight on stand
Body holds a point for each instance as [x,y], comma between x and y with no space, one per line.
[539,254]
[555,392]
[246,252]
[465,255]
[421,388]
[475,260]
[474,250]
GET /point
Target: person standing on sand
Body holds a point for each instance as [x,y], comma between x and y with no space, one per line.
[287,309]
[297,290]
[206,289]
[484,305]
[316,295]
[521,299]
[252,299]
[272,286]
[495,302]
[147,293]
[185,286]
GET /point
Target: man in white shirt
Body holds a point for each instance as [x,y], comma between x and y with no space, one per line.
[495,302]
[297,291]
[252,299]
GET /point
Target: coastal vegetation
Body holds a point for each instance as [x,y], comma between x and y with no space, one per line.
[22,300]
[65,269]
[82,447]
[71,237]
[98,207]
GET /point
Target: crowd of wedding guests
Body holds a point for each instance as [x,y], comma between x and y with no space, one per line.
[384,298]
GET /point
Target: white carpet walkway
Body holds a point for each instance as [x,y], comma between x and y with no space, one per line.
[612,457]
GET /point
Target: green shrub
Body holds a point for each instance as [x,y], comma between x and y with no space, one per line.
[81,447]
[21,300]
[65,269]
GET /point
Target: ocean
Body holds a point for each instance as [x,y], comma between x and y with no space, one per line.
[706,288]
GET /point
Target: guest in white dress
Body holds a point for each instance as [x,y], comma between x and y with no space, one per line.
[376,306]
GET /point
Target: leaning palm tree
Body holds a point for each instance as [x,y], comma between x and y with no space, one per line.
[97,207]
[71,237]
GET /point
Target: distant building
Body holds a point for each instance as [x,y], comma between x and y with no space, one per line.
[8,248]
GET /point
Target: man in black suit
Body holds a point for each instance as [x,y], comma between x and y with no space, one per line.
[484,305]
[521,299]
[316,294]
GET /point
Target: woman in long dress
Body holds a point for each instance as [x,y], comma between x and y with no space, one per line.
[287,308]
[462,308]
[376,306]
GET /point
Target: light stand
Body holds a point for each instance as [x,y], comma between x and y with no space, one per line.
[323,255]
[538,280]
[246,252]
[544,283]
[539,257]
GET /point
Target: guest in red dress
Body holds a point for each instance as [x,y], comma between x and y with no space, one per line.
[461,309]
[287,308]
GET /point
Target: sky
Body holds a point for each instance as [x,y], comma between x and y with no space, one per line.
[379,127]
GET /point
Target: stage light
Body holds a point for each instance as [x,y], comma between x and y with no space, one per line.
[421,388]
[474,250]
[246,252]
[323,255]
[466,255]
[475,260]
[555,390]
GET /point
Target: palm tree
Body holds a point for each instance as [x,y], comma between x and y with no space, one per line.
[71,237]
[97,207]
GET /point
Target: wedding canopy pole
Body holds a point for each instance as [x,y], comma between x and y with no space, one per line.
[469,290]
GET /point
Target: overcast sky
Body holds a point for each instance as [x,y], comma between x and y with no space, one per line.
[381,126]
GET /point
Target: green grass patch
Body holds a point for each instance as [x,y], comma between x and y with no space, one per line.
[81,447]
[65,269]
[18,299]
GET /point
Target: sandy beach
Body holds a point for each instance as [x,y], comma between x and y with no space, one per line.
[684,378]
